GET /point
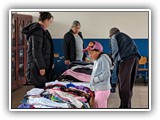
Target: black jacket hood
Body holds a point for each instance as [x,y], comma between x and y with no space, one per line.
[28,30]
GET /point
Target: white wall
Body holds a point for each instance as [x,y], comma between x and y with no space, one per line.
[97,24]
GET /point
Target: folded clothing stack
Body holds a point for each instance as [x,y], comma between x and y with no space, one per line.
[78,71]
[58,95]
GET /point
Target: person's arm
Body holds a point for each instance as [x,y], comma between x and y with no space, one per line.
[84,54]
[105,71]
[52,48]
[66,47]
[114,47]
[91,102]
[37,45]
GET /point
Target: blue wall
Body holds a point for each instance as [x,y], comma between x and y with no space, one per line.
[142,44]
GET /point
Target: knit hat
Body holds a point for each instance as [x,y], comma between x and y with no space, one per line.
[96,46]
[76,23]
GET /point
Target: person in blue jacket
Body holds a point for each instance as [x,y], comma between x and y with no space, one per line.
[125,52]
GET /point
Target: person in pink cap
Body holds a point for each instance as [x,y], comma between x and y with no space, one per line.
[101,73]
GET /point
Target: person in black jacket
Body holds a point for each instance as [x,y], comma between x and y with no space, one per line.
[125,53]
[73,44]
[40,50]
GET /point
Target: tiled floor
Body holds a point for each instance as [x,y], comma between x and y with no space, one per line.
[139,99]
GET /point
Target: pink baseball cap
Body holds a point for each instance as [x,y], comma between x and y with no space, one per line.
[96,46]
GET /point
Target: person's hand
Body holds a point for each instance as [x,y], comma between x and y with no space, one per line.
[67,62]
[91,102]
[42,72]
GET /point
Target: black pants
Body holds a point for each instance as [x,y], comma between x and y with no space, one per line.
[35,77]
[127,74]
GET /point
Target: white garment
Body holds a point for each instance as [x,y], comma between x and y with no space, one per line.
[79,47]
[69,96]
[35,91]
[82,66]
[56,82]
[64,83]
[46,102]
[41,106]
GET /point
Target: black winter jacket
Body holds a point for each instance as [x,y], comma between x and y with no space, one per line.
[69,46]
[40,44]
[39,53]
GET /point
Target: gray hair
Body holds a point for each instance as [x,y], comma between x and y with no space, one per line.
[76,23]
[113,31]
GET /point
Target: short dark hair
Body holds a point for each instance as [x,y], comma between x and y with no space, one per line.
[44,15]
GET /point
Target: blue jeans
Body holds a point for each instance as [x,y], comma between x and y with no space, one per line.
[114,76]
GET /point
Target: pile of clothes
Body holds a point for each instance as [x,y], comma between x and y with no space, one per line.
[78,71]
[58,95]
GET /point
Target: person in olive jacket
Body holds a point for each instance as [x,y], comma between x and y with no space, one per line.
[73,44]
[40,50]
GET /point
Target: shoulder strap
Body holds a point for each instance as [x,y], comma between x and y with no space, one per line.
[112,60]
[110,57]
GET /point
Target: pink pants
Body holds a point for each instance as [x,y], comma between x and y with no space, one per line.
[101,98]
